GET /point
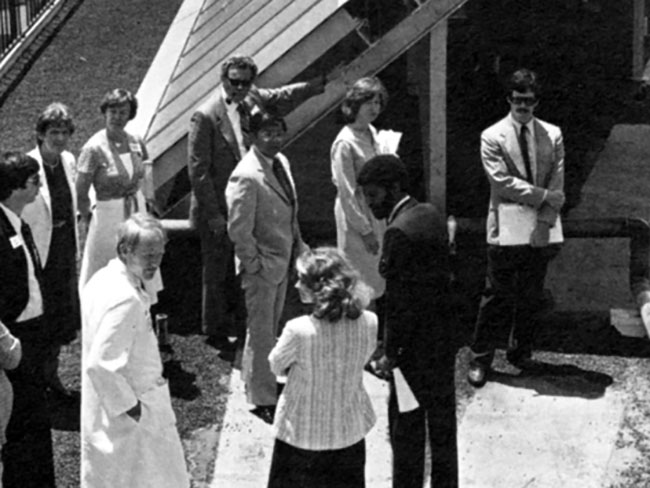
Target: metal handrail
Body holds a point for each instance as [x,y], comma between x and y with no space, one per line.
[635,229]
[16,17]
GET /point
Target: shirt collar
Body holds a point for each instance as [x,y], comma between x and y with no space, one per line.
[398,207]
[517,125]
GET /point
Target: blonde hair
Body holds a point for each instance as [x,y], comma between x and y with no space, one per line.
[333,283]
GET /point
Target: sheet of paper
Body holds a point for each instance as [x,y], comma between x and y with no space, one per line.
[388,141]
[406,400]
[516,224]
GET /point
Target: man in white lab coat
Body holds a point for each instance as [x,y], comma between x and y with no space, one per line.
[128,427]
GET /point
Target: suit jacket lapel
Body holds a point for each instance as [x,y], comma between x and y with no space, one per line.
[272,181]
[225,127]
[544,152]
[511,144]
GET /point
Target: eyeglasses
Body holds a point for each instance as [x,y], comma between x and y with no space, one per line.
[34,179]
[528,101]
[239,83]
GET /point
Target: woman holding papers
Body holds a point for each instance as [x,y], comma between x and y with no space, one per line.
[324,412]
[359,234]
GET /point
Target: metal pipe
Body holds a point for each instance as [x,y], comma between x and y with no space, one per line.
[635,229]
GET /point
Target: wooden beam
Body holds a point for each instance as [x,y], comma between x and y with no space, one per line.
[436,169]
[638,40]
[388,48]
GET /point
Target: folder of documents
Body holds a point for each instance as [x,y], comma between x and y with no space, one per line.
[517,222]
[406,400]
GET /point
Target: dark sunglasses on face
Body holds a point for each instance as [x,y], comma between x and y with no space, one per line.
[528,101]
[239,83]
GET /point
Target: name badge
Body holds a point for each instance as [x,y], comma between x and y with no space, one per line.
[15,241]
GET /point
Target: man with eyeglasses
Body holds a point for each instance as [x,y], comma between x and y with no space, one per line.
[27,455]
[263,225]
[218,139]
[523,159]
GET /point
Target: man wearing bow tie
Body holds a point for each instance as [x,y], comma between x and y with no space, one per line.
[263,225]
[218,139]
[27,455]
[523,159]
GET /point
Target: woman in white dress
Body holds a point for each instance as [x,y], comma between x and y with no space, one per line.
[114,163]
[358,233]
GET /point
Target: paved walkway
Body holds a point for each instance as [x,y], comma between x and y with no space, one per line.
[246,445]
[559,428]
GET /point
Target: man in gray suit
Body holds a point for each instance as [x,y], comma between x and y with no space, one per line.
[218,139]
[263,226]
[523,158]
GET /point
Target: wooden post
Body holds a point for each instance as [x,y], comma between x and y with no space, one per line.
[436,163]
[638,40]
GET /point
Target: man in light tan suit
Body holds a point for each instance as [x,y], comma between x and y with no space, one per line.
[263,226]
[523,159]
[217,141]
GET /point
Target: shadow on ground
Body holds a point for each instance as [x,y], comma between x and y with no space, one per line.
[565,380]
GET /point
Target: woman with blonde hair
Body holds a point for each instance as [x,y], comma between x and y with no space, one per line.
[324,411]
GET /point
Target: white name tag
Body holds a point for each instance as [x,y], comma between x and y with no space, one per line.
[15,241]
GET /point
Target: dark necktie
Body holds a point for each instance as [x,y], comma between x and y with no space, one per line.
[283,179]
[31,248]
[523,145]
[244,124]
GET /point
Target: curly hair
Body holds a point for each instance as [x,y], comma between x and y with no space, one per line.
[334,285]
[120,96]
[55,115]
[363,90]
[239,61]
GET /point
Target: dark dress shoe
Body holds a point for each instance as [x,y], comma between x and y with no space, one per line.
[265,412]
[477,374]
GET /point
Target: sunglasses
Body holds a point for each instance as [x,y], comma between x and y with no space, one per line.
[528,101]
[239,83]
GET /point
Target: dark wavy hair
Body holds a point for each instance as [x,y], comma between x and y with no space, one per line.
[119,97]
[335,286]
[522,81]
[239,61]
[362,91]
[55,115]
[15,169]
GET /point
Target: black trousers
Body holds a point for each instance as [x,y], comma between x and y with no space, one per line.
[292,467]
[223,307]
[27,456]
[408,432]
[512,299]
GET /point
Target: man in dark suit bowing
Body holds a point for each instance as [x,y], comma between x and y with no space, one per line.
[27,455]
[218,139]
[418,332]
[523,159]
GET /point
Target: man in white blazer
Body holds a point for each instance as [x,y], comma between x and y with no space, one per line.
[128,426]
[523,159]
[263,226]
[52,218]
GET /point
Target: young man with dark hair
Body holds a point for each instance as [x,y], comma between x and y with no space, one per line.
[27,455]
[418,332]
[523,159]
[263,226]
